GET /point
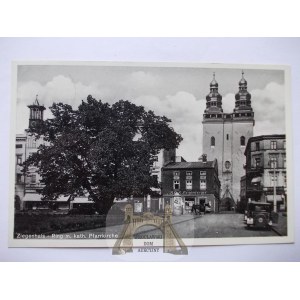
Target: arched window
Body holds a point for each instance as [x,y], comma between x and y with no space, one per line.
[243,141]
[212,141]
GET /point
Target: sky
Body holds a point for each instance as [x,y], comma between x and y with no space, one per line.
[177,92]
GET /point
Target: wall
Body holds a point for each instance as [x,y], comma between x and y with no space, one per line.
[228,150]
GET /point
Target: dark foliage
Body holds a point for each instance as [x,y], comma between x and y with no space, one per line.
[99,150]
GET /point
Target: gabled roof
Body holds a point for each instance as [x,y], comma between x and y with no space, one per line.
[189,165]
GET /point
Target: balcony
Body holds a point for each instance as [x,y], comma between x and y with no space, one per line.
[254,170]
[255,188]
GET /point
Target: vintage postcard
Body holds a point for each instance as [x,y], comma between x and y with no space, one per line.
[150,156]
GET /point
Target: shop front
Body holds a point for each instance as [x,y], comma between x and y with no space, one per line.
[182,203]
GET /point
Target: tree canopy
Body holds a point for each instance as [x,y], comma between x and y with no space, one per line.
[100,150]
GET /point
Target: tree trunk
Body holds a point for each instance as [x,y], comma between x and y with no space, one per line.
[103,205]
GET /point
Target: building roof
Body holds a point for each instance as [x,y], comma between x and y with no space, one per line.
[267,137]
[189,165]
[264,137]
[38,197]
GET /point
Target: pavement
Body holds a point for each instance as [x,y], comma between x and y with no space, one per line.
[281,227]
[196,226]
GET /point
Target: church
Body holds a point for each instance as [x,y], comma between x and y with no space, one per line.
[225,136]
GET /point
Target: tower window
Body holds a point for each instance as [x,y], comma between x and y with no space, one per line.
[227,165]
[212,141]
[227,136]
[243,141]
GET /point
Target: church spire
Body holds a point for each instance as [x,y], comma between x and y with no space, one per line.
[242,97]
[36,100]
[214,99]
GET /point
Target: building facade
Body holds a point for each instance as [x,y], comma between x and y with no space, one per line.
[265,178]
[187,183]
[28,185]
[225,136]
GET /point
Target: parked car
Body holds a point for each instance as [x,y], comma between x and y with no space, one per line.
[259,215]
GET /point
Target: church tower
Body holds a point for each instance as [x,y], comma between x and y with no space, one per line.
[225,136]
[36,113]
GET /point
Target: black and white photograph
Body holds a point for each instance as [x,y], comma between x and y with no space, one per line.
[150,155]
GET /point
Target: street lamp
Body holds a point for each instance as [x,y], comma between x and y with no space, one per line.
[274,183]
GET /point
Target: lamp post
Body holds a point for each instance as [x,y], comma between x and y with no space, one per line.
[274,188]
[272,163]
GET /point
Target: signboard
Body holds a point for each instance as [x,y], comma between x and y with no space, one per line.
[177,206]
[138,207]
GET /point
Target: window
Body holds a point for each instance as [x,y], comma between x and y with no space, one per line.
[274,179]
[33,178]
[189,184]
[257,146]
[189,175]
[227,164]
[202,172]
[273,162]
[155,162]
[202,184]
[257,162]
[284,145]
[284,162]
[19,159]
[243,141]
[284,179]
[227,136]
[273,145]
[19,178]
[212,141]
[19,145]
[176,185]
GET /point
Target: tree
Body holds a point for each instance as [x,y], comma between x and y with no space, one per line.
[99,150]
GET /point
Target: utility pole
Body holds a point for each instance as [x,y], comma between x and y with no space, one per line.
[274,188]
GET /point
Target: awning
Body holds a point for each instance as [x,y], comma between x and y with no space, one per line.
[62,199]
[32,197]
[270,198]
[82,200]
[256,180]
[121,200]
[38,197]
